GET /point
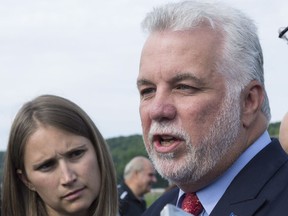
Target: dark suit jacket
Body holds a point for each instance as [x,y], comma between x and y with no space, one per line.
[260,189]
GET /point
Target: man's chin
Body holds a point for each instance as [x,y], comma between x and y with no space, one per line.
[164,166]
[174,170]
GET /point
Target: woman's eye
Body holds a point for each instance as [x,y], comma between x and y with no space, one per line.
[47,166]
[76,154]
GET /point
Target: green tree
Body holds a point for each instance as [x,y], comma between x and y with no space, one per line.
[273,129]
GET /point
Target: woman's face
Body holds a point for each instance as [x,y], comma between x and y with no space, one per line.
[62,168]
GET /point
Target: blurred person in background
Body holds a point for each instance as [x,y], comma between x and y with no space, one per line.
[139,176]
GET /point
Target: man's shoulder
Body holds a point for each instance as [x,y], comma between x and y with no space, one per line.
[279,205]
[261,184]
[128,203]
[123,191]
[168,197]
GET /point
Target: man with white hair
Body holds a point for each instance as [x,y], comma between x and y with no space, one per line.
[139,176]
[205,112]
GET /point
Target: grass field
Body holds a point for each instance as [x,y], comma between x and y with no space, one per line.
[153,195]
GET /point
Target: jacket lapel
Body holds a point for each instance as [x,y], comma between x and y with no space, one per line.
[241,197]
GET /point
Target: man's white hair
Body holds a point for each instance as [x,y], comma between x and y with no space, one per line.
[241,60]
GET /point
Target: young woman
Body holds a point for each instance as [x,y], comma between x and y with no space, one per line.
[57,163]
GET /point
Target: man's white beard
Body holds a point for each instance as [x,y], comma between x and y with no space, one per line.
[200,158]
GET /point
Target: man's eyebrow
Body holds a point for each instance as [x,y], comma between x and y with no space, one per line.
[141,82]
[187,76]
[177,78]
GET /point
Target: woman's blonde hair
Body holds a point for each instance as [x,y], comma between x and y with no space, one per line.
[61,113]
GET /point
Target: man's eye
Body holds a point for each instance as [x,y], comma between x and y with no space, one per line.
[184,87]
[146,91]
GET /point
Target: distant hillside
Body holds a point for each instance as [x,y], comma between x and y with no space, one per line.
[124,148]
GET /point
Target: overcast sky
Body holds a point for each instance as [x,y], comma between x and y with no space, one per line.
[88,51]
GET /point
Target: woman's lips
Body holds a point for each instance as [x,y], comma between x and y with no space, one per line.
[74,194]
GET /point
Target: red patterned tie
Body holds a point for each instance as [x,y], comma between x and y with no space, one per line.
[191,204]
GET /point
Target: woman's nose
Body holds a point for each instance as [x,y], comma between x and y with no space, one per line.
[68,175]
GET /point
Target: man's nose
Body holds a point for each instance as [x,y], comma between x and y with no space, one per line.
[162,108]
[68,175]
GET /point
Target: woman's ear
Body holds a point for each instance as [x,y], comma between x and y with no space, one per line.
[253,100]
[24,179]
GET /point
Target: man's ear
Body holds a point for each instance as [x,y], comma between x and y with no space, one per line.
[253,100]
[24,179]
